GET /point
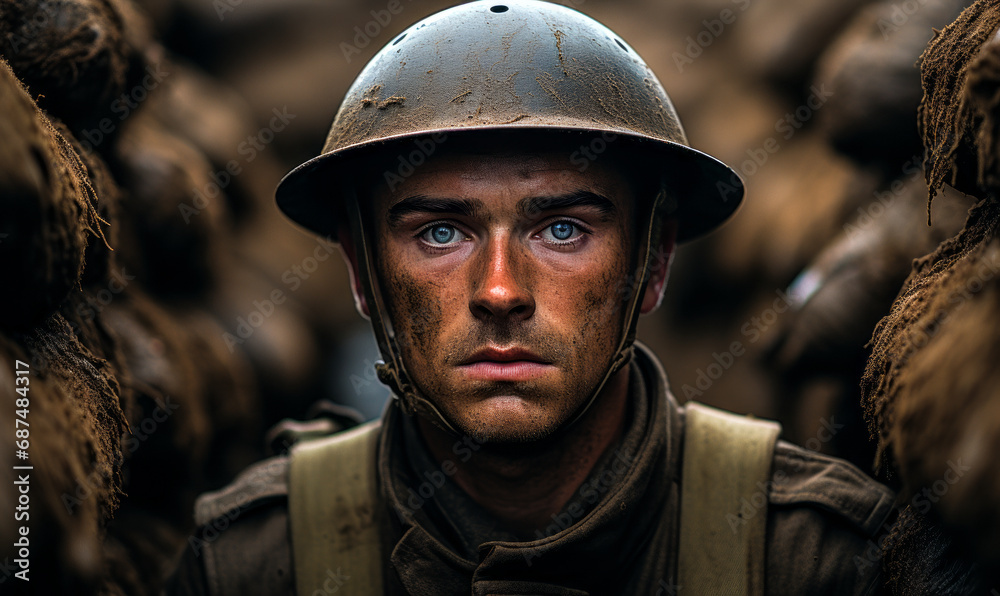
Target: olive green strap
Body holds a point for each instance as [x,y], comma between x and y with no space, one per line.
[332,496]
[724,494]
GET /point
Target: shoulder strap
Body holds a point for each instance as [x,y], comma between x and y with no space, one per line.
[723,515]
[331,506]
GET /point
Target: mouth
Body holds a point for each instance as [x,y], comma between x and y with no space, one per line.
[512,363]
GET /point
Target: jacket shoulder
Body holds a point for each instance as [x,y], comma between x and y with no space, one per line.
[261,484]
[806,478]
[823,517]
[242,543]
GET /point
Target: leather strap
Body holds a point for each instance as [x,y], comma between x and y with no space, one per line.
[332,500]
[724,493]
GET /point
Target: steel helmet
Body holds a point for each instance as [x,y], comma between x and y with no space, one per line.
[522,64]
[496,65]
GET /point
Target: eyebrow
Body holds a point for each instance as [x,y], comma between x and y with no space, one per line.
[425,204]
[581,198]
[530,206]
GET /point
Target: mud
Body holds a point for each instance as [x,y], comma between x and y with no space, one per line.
[49,213]
[954,132]
[71,52]
[946,290]
[76,421]
[877,89]
[928,296]
[176,214]
[819,352]
[933,437]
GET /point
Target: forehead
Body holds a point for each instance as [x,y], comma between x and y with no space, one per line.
[509,174]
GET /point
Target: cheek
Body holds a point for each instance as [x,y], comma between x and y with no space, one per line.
[603,306]
[598,311]
[416,312]
[606,289]
[415,308]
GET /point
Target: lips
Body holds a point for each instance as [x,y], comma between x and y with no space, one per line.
[498,354]
[512,363]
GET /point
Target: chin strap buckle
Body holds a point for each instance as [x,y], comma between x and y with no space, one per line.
[622,359]
[389,376]
[411,402]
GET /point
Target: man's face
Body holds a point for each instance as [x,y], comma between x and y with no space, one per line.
[505,278]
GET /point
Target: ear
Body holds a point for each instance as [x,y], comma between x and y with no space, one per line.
[659,267]
[351,258]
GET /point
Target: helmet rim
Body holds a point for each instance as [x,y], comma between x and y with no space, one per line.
[308,195]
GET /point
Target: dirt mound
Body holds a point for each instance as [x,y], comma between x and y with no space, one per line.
[958,142]
[929,296]
[947,444]
[217,120]
[195,423]
[929,392]
[230,396]
[870,66]
[853,282]
[76,56]
[176,229]
[168,389]
[796,204]
[76,422]
[49,211]
[957,117]
[781,39]
[929,389]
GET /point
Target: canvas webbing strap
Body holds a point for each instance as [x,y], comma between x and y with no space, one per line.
[727,458]
[331,507]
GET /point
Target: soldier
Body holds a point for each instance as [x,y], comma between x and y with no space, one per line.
[507,181]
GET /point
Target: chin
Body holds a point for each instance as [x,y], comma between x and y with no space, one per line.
[509,421]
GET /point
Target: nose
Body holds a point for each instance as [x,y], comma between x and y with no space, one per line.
[500,294]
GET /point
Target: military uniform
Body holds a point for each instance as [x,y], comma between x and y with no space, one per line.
[617,535]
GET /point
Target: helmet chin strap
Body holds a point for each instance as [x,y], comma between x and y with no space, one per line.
[392,372]
[624,352]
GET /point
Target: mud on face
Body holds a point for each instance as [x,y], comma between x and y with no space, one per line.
[501,280]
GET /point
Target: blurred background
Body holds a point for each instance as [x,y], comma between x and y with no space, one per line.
[214,318]
[814,104]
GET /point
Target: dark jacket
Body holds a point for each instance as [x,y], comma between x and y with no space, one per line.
[618,535]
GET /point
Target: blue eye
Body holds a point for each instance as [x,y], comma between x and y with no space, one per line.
[441,234]
[562,230]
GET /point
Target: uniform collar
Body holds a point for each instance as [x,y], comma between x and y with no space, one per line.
[613,528]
